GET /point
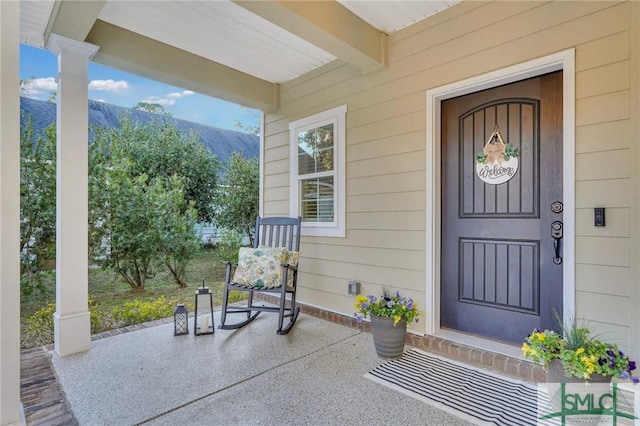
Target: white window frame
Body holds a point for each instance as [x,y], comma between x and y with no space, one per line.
[337,117]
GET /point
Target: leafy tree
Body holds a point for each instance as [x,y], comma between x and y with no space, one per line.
[173,222]
[160,149]
[37,197]
[140,217]
[253,127]
[132,250]
[152,107]
[99,169]
[239,195]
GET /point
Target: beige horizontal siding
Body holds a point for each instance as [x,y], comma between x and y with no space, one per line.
[615,280]
[392,164]
[603,51]
[395,259]
[604,308]
[603,193]
[340,273]
[278,180]
[603,251]
[277,194]
[617,223]
[385,239]
[603,165]
[607,136]
[599,109]
[397,144]
[602,80]
[388,202]
[386,153]
[411,181]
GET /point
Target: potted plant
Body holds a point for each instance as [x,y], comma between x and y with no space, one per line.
[390,314]
[575,355]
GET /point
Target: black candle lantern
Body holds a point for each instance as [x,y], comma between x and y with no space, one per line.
[204,299]
[180,320]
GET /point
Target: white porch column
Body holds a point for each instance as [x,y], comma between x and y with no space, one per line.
[72,331]
[10,412]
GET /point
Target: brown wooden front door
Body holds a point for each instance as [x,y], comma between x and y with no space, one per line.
[498,275]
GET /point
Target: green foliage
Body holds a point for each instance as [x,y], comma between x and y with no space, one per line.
[252,127]
[581,354]
[107,292]
[152,107]
[137,311]
[234,296]
[38,328]
[174,223]
[132,250]
[37,199]
[160,150]
[389,305]
[510,151]
[239,195]
[229,245]
[143,215]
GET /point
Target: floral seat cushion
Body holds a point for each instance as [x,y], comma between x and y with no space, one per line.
[261,267]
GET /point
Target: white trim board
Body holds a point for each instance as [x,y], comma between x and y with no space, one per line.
[565,61]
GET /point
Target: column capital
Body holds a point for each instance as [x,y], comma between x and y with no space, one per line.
[57,44]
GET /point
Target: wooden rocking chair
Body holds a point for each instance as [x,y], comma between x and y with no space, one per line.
[271,266]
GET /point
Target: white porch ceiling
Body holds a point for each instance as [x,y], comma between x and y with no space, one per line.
[268,40]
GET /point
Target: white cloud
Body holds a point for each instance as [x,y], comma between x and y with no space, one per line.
[179,95]
[160,101]
[108,85]
[39,86]
[168,99]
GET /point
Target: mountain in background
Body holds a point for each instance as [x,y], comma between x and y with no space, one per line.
[221,142]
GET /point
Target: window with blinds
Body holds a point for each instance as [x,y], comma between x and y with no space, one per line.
[317,172]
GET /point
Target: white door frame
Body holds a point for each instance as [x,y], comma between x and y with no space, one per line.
[565,61]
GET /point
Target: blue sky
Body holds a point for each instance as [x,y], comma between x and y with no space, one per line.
[39,68]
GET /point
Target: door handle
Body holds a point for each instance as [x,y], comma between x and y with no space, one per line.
[556,234]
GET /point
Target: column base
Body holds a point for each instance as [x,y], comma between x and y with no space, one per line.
[71,333]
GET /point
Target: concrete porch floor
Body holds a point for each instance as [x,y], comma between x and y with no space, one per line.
[250,376]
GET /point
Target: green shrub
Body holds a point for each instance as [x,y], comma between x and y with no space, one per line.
[37,330]
[136,311]
[234,296]
[229,244]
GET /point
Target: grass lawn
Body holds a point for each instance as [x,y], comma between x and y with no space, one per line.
[107,291]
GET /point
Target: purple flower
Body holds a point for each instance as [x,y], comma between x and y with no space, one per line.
[624,374]
[359,317]
[631,366]
[364,305]
[610,352]
[621,354]
[601,361]
[396,293]
[390,304]
[635,380]
[410,304]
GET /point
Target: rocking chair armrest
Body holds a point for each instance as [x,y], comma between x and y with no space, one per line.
[230,267]
[291,267]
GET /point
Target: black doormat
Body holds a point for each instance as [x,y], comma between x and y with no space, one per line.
[475,395]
